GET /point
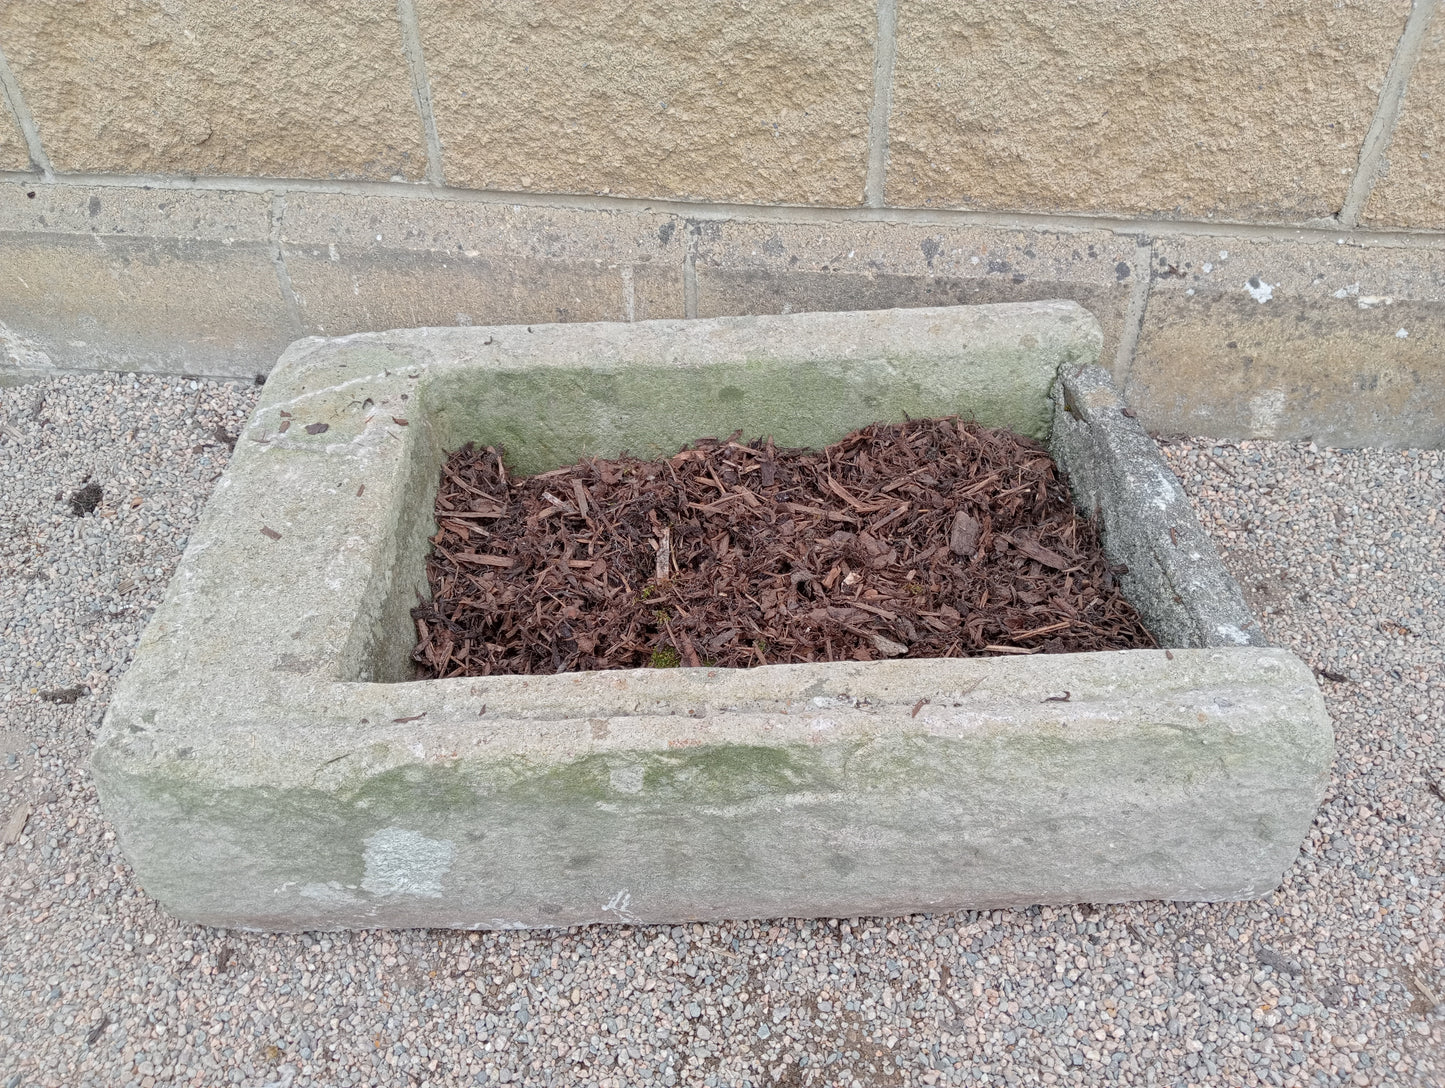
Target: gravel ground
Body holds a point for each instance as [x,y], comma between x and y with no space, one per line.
[1329,981]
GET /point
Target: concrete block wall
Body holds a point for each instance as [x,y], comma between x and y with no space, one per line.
[1251,197]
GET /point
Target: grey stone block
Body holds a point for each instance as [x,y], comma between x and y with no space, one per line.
[1171,571]
[267,764]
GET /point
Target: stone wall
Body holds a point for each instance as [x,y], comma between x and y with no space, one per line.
[1251,197]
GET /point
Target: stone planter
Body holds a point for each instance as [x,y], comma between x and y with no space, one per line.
[267,765]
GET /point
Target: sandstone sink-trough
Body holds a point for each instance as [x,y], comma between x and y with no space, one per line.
[267,762]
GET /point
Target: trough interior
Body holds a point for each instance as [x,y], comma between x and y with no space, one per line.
[548,418]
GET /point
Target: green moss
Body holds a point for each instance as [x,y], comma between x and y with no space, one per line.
[665,658]
[415,788]
[708,775]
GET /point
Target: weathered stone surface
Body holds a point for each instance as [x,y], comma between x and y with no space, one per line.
[1235,109]
[1169,567]
[359,264]
[1291,340]
[128,279]
[1410,191]
[765,102]
[636,797]
[13,155]
[768,268]
[134,211]
[281,90]
[314,796]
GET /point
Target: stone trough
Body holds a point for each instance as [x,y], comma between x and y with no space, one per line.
[268,764]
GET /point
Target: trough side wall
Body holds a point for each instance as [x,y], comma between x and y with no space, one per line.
[1251,199]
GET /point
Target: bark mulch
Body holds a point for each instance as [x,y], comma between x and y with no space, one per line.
[931,538]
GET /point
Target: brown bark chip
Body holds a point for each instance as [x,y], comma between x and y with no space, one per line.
[931,538]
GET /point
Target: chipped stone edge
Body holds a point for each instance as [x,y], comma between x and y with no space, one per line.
[1173,574]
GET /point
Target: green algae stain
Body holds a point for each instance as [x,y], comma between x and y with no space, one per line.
[416,789]
[550,416]
[708,775]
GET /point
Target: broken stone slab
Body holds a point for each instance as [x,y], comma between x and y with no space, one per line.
[267,763]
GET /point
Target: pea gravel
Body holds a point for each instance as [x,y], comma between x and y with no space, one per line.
[1332,980]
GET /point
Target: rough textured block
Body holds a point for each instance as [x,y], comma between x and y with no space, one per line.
[769,268]
[1410,191]
[317,794]
[1237,109]
[1169,567]
[285,90]
[13,153]
[129,279]
[99,211]
[1291,340]
[765,102]
[359,264]
[667,796]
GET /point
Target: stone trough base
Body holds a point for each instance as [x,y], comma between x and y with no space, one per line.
[267,764]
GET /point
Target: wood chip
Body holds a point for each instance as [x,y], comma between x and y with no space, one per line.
[1034,550]
[663,566]
[963,534]
[887,647]
[488,560]
[928,538]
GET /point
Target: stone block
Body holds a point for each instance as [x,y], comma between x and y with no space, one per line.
[130,279]
[360,264]
[323,789]
[1235,109]
[13,153]
[1165,562]
[765,102]
[135,211]
[1410,190]
[1293,340]
[280,90]
[769,268]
